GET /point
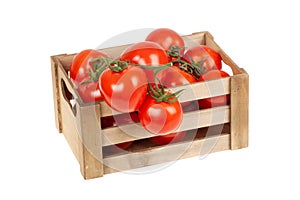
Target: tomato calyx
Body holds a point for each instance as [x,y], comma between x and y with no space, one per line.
[161,95]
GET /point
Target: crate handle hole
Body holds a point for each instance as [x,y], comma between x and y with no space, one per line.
[68,96]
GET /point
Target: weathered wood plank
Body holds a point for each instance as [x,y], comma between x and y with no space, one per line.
[200,90]
[239,110]
[163,154]
[191,120]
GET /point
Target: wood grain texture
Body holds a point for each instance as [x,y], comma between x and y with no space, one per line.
[81,130]
[56,94]
[88,125]
[239,110]
[191,120]
[163,154]
[199,90]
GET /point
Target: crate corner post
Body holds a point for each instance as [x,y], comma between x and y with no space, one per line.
[56,94]
[239,110]
[91,165]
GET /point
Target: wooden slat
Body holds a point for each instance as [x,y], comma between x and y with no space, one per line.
[194,39]
[200,90]
[88,126]
[106,110]
[239,110]
[162,154]
[56,94]
[191,120]
[144,144]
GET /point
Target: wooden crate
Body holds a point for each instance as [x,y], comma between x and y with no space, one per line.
[80,122]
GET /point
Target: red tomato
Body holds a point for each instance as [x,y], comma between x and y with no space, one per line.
[89,91]
[212,59]
[174,76]
[160,117]
[214,74]
[81,65]
[124,91]
[166,38]
[214,101]
[169,138]
[146,53]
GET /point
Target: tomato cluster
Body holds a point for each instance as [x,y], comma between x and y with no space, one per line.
[138,81]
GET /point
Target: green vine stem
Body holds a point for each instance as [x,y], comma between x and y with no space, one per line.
[174,51]
[193,68]
[155,69]
[161,95]
[114,65]
[97,67]
[99,64]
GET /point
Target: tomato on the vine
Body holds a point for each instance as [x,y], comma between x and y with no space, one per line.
[89,90]
[166,38]
[81,65]
[161,112]
[85,70]
[123,87]
[204,56]
[146,53]
[174,76]
[213,101]
[169,138]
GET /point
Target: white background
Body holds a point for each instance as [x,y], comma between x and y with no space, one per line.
[260,36]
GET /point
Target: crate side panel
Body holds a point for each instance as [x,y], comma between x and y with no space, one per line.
[69,128]
[56,94]
[191,120]
[90,165]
